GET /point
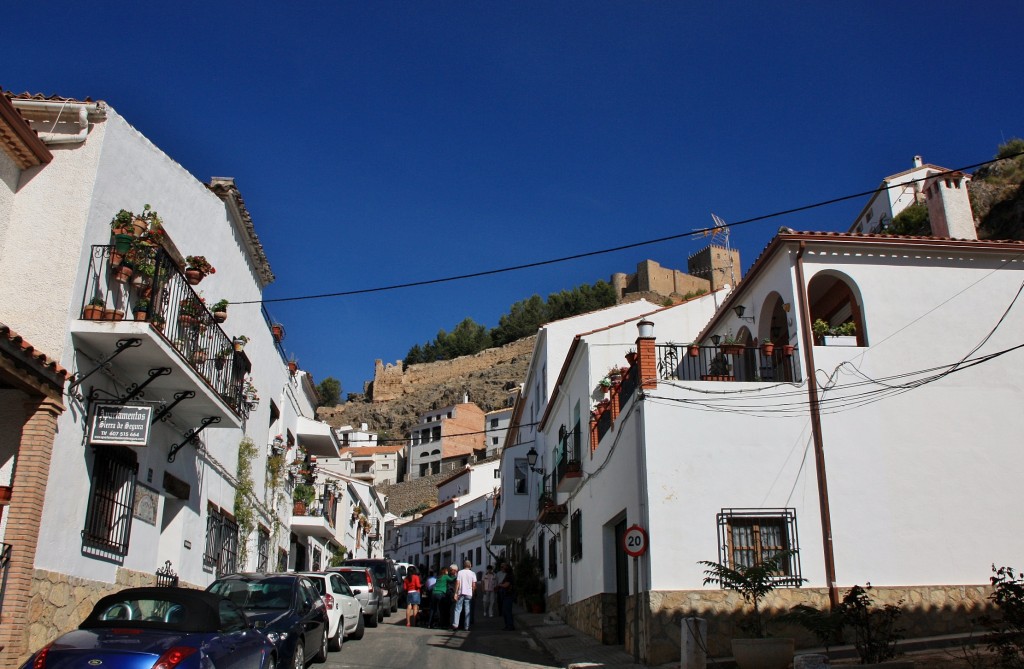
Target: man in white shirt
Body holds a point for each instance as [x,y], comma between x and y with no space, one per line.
[465,586]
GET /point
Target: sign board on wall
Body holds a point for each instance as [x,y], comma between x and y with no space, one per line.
[120,424]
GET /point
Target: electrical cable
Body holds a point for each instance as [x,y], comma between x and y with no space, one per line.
[622,247]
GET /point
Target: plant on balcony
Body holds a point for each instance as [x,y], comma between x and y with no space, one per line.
[223,356]
[693,349]
[303,496]
[122,272]
[767,347]
[251,396]
[93,310]
[141,309]
[121,224]
[293,364]
[719,368]
[822,329]
[220,310]
[277,332]
[157,321]
[239,342]
[198,268]
[731,346]
[631,357]
[191,310]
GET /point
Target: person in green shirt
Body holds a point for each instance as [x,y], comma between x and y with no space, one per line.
[440,601]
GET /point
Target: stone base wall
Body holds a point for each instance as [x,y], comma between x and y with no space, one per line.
[58,603]
[927,611]
[595,616]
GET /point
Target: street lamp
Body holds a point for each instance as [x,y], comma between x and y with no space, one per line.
[531,459]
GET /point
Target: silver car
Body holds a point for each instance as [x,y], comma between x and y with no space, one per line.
[366,588]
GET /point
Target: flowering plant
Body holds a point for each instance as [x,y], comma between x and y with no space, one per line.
[192,307]
[201,264]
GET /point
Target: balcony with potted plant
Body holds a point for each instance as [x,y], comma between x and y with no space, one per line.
[172,329]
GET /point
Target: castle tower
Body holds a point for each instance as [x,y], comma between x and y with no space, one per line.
[717,264]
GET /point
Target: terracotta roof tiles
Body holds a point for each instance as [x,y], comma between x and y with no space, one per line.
[39,359]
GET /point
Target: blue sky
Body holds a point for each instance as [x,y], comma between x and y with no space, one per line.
[380,143]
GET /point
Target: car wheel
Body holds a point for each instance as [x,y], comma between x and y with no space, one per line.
[381,613]
[339,636]
[299,660]
[371,621]
[385,610]
[360,629]
[394,606]
[321,654]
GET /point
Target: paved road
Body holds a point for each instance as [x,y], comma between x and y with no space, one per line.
[392,645]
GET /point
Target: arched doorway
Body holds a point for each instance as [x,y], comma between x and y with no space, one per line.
[835,300]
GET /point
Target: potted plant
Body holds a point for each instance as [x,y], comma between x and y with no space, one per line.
[693,348]
[631,357]
[293,365]
[199,357]
[222,356]
[719,369]
[239,342]
[730,346]
[198,268]
[141,309]
[767,348]
[191,311]
[277,331]
[93,311]
[121,224]
[123,272]
[754,583]
[157,321]
[844,334]
[220,310]
[303,497]
[787,350]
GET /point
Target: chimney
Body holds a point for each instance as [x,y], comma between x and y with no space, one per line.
[917,161]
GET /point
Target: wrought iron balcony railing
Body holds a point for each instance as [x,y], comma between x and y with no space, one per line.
[679,362]
[155,290]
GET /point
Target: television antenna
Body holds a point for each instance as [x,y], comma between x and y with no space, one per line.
[720,230]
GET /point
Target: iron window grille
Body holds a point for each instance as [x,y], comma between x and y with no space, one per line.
[553,557]
[576,536]
[263,550]
[221,542]
[108,517]
[748,536]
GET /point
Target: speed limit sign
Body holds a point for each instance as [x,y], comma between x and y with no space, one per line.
[634,541]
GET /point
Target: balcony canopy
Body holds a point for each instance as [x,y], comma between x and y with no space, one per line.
[317,438]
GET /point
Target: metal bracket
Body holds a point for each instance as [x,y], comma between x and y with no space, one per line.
[192,436]
[136,389]
[122,345]
[165,412]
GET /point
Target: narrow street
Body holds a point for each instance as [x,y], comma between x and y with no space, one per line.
[393,645]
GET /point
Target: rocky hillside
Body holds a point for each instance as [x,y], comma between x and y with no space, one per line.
[997,196]
[487,378]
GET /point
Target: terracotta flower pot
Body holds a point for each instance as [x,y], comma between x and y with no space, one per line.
[732,349]
[194,276]
[92,312]
[694,351]
[787,350]
[141,314]
[767,349]
[220,316]
[118,315]
[123,273]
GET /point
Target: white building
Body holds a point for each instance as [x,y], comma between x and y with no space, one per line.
[89,514]
[445,439]
[375,465]
[899,191]
[496,427]
[899,446]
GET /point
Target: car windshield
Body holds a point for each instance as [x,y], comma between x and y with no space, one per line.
[265,594]
[355,578]
[160,612]
[318,581]
[380,569]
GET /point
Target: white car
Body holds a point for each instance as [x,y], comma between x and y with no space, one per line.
[344,612]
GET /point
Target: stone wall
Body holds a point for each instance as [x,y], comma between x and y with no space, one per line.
[58,603]
[391,382]
[927,611]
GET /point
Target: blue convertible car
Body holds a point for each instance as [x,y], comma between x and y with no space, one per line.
[159,628]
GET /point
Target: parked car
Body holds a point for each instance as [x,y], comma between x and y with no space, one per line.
[148,627]
[401,569]
[367,589]
[287,608]
[344,611]
[384,568]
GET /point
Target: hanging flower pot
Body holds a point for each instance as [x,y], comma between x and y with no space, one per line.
[239,342]
[199,357]
[123,273]
[631,358]
[157,321]
[693,350]
[732,349]
[139,226]
[277,331]
[293,366]
[123,243]
[194,276]
[196,269]
[787,350]
[767,348]
[94,310]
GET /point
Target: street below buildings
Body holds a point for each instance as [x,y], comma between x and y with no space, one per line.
[393,645]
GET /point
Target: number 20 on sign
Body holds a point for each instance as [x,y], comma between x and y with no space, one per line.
[634,541]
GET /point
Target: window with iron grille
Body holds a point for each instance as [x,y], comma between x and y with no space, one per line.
[282,559]
[108,517]
[221,542]
[576,536]
[317,555]
[553,557]
[540,552]
[263,550]
[748,536]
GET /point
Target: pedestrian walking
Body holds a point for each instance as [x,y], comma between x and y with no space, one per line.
[439,599]
[412,585]
[507,588]
[490,581]
[465,586]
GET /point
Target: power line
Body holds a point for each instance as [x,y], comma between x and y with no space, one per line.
[614,249]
